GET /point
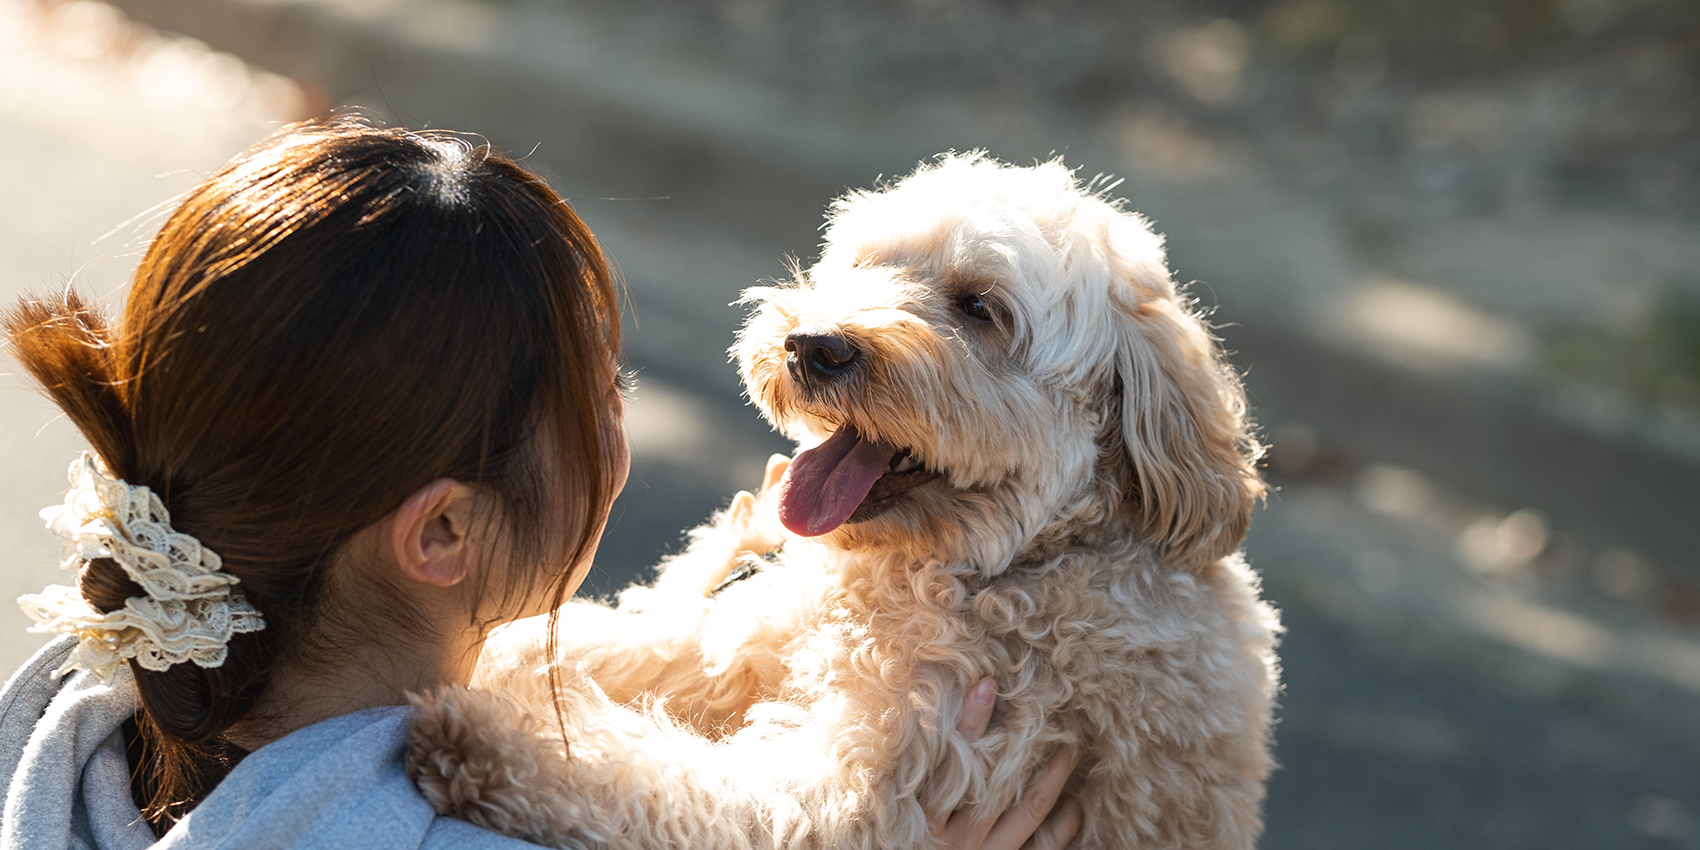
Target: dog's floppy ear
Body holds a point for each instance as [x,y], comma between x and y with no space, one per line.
[1184,430]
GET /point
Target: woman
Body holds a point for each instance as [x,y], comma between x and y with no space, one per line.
[363,405]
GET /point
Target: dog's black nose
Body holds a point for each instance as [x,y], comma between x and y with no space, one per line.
[818,352]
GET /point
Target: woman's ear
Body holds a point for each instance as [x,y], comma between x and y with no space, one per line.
[429,533]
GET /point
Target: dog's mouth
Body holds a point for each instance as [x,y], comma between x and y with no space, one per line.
[846,479]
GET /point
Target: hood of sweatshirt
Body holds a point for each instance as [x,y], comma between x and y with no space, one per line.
[339,783]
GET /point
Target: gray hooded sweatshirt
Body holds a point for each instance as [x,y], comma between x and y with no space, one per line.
[337,784]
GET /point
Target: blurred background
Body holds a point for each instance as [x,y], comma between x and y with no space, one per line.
[1454,245]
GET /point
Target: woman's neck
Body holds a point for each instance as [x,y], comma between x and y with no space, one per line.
[343,677]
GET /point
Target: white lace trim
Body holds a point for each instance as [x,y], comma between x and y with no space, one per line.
[191,608]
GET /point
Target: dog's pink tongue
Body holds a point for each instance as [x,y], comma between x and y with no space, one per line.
[823,485]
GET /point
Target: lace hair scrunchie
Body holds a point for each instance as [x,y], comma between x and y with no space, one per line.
[190,609]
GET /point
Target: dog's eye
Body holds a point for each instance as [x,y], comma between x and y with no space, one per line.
[975,306]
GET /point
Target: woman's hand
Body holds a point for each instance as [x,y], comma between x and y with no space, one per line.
[1038,822]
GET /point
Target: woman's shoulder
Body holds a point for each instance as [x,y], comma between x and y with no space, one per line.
[341,782]
[447,832]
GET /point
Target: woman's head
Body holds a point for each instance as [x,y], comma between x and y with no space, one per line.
[336,319]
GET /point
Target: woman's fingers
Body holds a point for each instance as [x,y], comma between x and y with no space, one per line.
[1059,828]
[1037,822]
[977,708]
[976,715]
[1038,817]
[967,828]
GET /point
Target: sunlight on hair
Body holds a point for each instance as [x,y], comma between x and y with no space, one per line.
[453,149]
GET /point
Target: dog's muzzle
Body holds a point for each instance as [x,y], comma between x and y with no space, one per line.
[819,353]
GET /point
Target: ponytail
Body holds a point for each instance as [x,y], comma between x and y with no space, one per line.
[67,347]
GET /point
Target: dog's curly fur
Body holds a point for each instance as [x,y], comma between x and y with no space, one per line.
[1095,479]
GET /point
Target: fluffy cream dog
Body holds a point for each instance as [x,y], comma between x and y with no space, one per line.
[1026,458]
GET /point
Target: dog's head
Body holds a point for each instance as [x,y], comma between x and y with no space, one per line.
[985,353]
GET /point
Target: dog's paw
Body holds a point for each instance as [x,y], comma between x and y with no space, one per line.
[753,518]
[479,756]
[747,529]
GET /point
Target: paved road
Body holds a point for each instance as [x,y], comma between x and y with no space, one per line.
[1439,692]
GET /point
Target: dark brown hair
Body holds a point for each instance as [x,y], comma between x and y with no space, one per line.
[336,318]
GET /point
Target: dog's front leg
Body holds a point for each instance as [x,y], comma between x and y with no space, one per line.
[630,655]
[676,642]
[799,778]
[840,761]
